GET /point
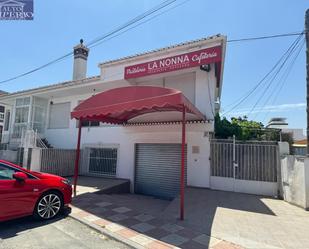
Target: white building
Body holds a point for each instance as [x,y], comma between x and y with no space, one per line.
[282,124]
[143,153]
[2,111]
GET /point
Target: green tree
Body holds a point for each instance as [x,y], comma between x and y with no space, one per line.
[224,128]
[249,129]
[245,129]
[241,127]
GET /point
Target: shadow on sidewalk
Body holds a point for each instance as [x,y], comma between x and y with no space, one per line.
[160,218]
[10,229]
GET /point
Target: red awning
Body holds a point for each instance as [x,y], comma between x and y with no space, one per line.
[119,105]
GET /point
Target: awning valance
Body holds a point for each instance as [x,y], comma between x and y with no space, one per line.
[119,105]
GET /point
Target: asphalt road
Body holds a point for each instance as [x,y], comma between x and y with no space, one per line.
[62,233]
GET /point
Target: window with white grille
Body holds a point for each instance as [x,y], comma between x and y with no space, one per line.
[103,161]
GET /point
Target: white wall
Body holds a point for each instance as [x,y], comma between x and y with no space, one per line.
[205,92]
[298,134]
[198,86]
[284,148]
[35,160]
[126,138]
[244,186]
[295,180]
[194,83]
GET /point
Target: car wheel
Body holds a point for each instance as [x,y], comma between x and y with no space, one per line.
[48,206]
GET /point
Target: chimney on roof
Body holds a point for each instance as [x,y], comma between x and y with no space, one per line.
[80,61]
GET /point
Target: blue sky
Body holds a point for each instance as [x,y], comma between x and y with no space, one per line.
[58,25]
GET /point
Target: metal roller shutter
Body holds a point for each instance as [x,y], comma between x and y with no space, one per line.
[158,168]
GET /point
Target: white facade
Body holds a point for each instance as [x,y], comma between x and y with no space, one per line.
[200,87]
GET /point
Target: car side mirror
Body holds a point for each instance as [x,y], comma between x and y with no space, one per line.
[20,176]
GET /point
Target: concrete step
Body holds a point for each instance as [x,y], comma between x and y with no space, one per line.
[101,185]
[116,188]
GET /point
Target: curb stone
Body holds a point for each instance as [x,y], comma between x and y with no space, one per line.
[106,232]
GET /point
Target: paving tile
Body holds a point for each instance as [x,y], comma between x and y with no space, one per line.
[129,222]
[192,245]
[82,214]
[103,204]
[102,222]
[202,239]
[188,233]
[127,233]
[113,227]
[108,213]
[97,210]
[159,245]
[121,210]
[174,239]
[141,239]
[226,245]
[206,240]
[144,217]
[117,217]
[84,206]
[157,233]
[142,227]
[173,228]
[157,222]
[91,218]
[75,210]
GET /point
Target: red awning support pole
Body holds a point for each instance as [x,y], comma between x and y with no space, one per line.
[77,155]
[182,177]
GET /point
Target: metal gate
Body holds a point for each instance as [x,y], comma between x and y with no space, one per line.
[158,168]
[255,161]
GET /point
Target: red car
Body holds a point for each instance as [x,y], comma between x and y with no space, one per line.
[24,192]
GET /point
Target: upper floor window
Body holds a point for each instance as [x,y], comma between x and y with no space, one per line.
[7,120]
[23,101]
[38,116]
[87,123]
[22,109]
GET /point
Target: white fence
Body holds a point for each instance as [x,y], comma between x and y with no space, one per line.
[247,167]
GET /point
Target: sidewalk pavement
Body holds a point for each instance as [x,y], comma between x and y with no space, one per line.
[140,229]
